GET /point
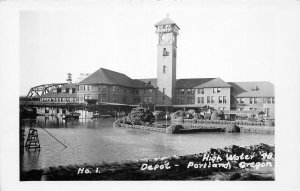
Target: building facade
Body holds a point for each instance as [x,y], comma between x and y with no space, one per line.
[106,86]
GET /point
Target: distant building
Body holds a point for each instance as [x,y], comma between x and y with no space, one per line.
[113,87]
[65,94]
[254,96]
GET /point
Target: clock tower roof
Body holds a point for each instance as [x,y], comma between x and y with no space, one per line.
[166,21]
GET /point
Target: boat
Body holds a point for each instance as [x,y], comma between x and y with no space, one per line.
[98,115]
[72,115]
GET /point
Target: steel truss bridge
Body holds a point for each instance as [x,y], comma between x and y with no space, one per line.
[37,91]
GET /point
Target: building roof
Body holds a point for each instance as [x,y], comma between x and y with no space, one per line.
[217,82]
[105,76]
[252,89]
[191,82]
[166,21]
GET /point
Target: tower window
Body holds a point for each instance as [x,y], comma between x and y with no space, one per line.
[164,69]
[165,52]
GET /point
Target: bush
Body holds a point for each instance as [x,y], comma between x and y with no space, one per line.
[139,116]
[180,119]
[207,116]
[173,129]
[221,114]
[232,129]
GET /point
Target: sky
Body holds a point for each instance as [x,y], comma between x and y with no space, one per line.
[237,41]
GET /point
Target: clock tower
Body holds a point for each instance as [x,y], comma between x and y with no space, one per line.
[167,32]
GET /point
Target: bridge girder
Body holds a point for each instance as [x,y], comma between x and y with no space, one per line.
[37,91]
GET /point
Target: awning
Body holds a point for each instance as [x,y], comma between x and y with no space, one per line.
[189,106]
[114,104]
[240,112]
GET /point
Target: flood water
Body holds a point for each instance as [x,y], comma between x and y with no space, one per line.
[94,140]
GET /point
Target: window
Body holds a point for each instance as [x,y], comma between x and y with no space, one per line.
[242,100]
[145,91]
[208,99]
[150,91]
[103,97]
[164,69]
[198,100]
[192,91]
[145,99]
[116,98]
[87,88]
[212,99]
[67,90]
[238,100]
[255,100]
[100,88]
[202,99]
[251,100]
[220,99]
[267,112]
[73,90]
[188,100]
[58,90]
[87,96]
[224,99]
[165,52]
[273,100]
[164,90]
[181,91]
[216,90]
[81,88]
[114,88]
[201,91]
[150,99]
[188,91]
[269,100]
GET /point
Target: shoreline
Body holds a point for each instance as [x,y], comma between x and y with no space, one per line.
[167,168]
[189,127]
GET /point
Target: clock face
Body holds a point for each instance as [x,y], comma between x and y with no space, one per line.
[166,38]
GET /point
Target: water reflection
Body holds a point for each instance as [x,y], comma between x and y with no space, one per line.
[91,141]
